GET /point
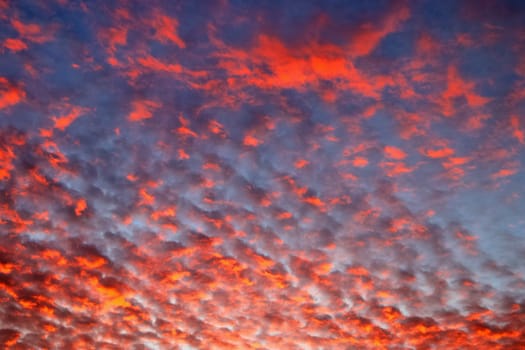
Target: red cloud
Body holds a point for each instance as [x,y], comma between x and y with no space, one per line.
[369,35]
[166,29]
[143,109]
[62,122]
[438,152]
[14,45]
[32,32]
[10,94]
[516,130]
[394,153]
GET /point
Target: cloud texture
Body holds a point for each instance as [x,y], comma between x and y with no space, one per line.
[262,175]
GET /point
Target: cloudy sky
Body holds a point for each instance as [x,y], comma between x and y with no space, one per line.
[262,174]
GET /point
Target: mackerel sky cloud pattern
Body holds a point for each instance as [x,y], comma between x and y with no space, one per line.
[262,175]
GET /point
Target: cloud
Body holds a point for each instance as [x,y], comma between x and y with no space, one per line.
[10,94]
[166,29]
[368,36]
[261,176]
[142,110]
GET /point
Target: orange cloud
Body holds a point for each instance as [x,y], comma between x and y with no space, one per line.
[456,87]
[32,32]
[477,122]
[185,131]
[165,213]
[166,29]
[63,122]
[301,163]
[182,154]
[90,263]
[146,198]
[157,65]
[358,271]
[14,45]
[296,67]
[80,207]
[369,35]
[216,128]
[10,94]
[360,162]
[6,162]
[394,153]
[251,141]
[113,37]
[455,161]
[439,152]
[394,169]
[142,110]
[505,172]
[315,201]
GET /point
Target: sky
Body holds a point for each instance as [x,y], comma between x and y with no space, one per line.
[262,174]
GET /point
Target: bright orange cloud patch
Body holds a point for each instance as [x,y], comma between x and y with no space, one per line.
[62,122]
[10,94]
[394,153]
[166,29]
[252,141]
[142,110]
[14,44]
[80,206]
[439,152]
[360,162]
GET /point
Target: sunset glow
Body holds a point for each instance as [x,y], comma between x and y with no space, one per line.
[262,174]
